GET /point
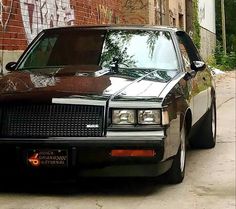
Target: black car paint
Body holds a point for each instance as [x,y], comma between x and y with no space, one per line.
[175,95]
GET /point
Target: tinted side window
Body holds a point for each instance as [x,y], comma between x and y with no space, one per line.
[185,56]
[41,53]
[187,48]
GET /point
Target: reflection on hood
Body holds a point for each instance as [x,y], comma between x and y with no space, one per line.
[13,83]
[41,81]
[83,81]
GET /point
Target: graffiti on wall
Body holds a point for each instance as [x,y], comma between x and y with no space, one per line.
[136,11]
[5,13]
[41,14]
[135,4]
[202,12]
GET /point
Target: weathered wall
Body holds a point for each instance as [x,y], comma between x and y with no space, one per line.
[189,16]
[155,12]
[135,11]
[162,12]
[208,27]
[177,13]
[152,12]
[207,19]
[22,20]
[208,43]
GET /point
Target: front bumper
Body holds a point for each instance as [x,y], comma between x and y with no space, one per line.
[89,156]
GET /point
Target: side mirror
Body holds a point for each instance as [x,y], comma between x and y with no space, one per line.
[11,66]
[189,75]
[198,66]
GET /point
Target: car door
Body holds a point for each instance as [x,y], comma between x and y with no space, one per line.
[198,87]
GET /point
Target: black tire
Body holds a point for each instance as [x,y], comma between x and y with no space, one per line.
[206,136]
[177,171]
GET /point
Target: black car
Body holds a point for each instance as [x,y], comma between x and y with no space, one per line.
[106,101]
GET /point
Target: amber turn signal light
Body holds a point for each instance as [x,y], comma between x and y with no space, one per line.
[132,153]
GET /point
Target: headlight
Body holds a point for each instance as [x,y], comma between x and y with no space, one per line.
[123,117]
[149,117]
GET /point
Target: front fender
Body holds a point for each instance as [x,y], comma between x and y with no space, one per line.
[177,104]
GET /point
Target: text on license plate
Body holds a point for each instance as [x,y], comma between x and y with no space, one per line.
[47,158]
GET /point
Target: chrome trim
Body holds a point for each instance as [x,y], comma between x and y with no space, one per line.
[136,134]
[134,104]
[101,140]
[78,101]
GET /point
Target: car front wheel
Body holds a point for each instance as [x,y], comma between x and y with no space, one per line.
[206,137]
[177,171]
[210,128]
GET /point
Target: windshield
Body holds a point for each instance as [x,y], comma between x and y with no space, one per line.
[124,48]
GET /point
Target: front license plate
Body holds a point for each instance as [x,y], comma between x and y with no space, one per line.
[47,158]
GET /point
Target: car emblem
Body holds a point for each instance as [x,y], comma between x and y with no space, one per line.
[92,126]
[34,160]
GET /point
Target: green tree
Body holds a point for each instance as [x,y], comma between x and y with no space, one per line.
[229,60]
[230,20]
[196,25]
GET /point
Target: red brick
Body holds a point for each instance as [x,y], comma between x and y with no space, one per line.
[86,12]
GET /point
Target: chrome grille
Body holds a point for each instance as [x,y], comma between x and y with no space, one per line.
[52,120]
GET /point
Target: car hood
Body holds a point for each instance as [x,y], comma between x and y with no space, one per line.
[41,85]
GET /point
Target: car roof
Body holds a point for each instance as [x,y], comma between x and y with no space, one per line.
[117,27]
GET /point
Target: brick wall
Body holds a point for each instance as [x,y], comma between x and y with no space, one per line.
[22,20]
[12,35]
